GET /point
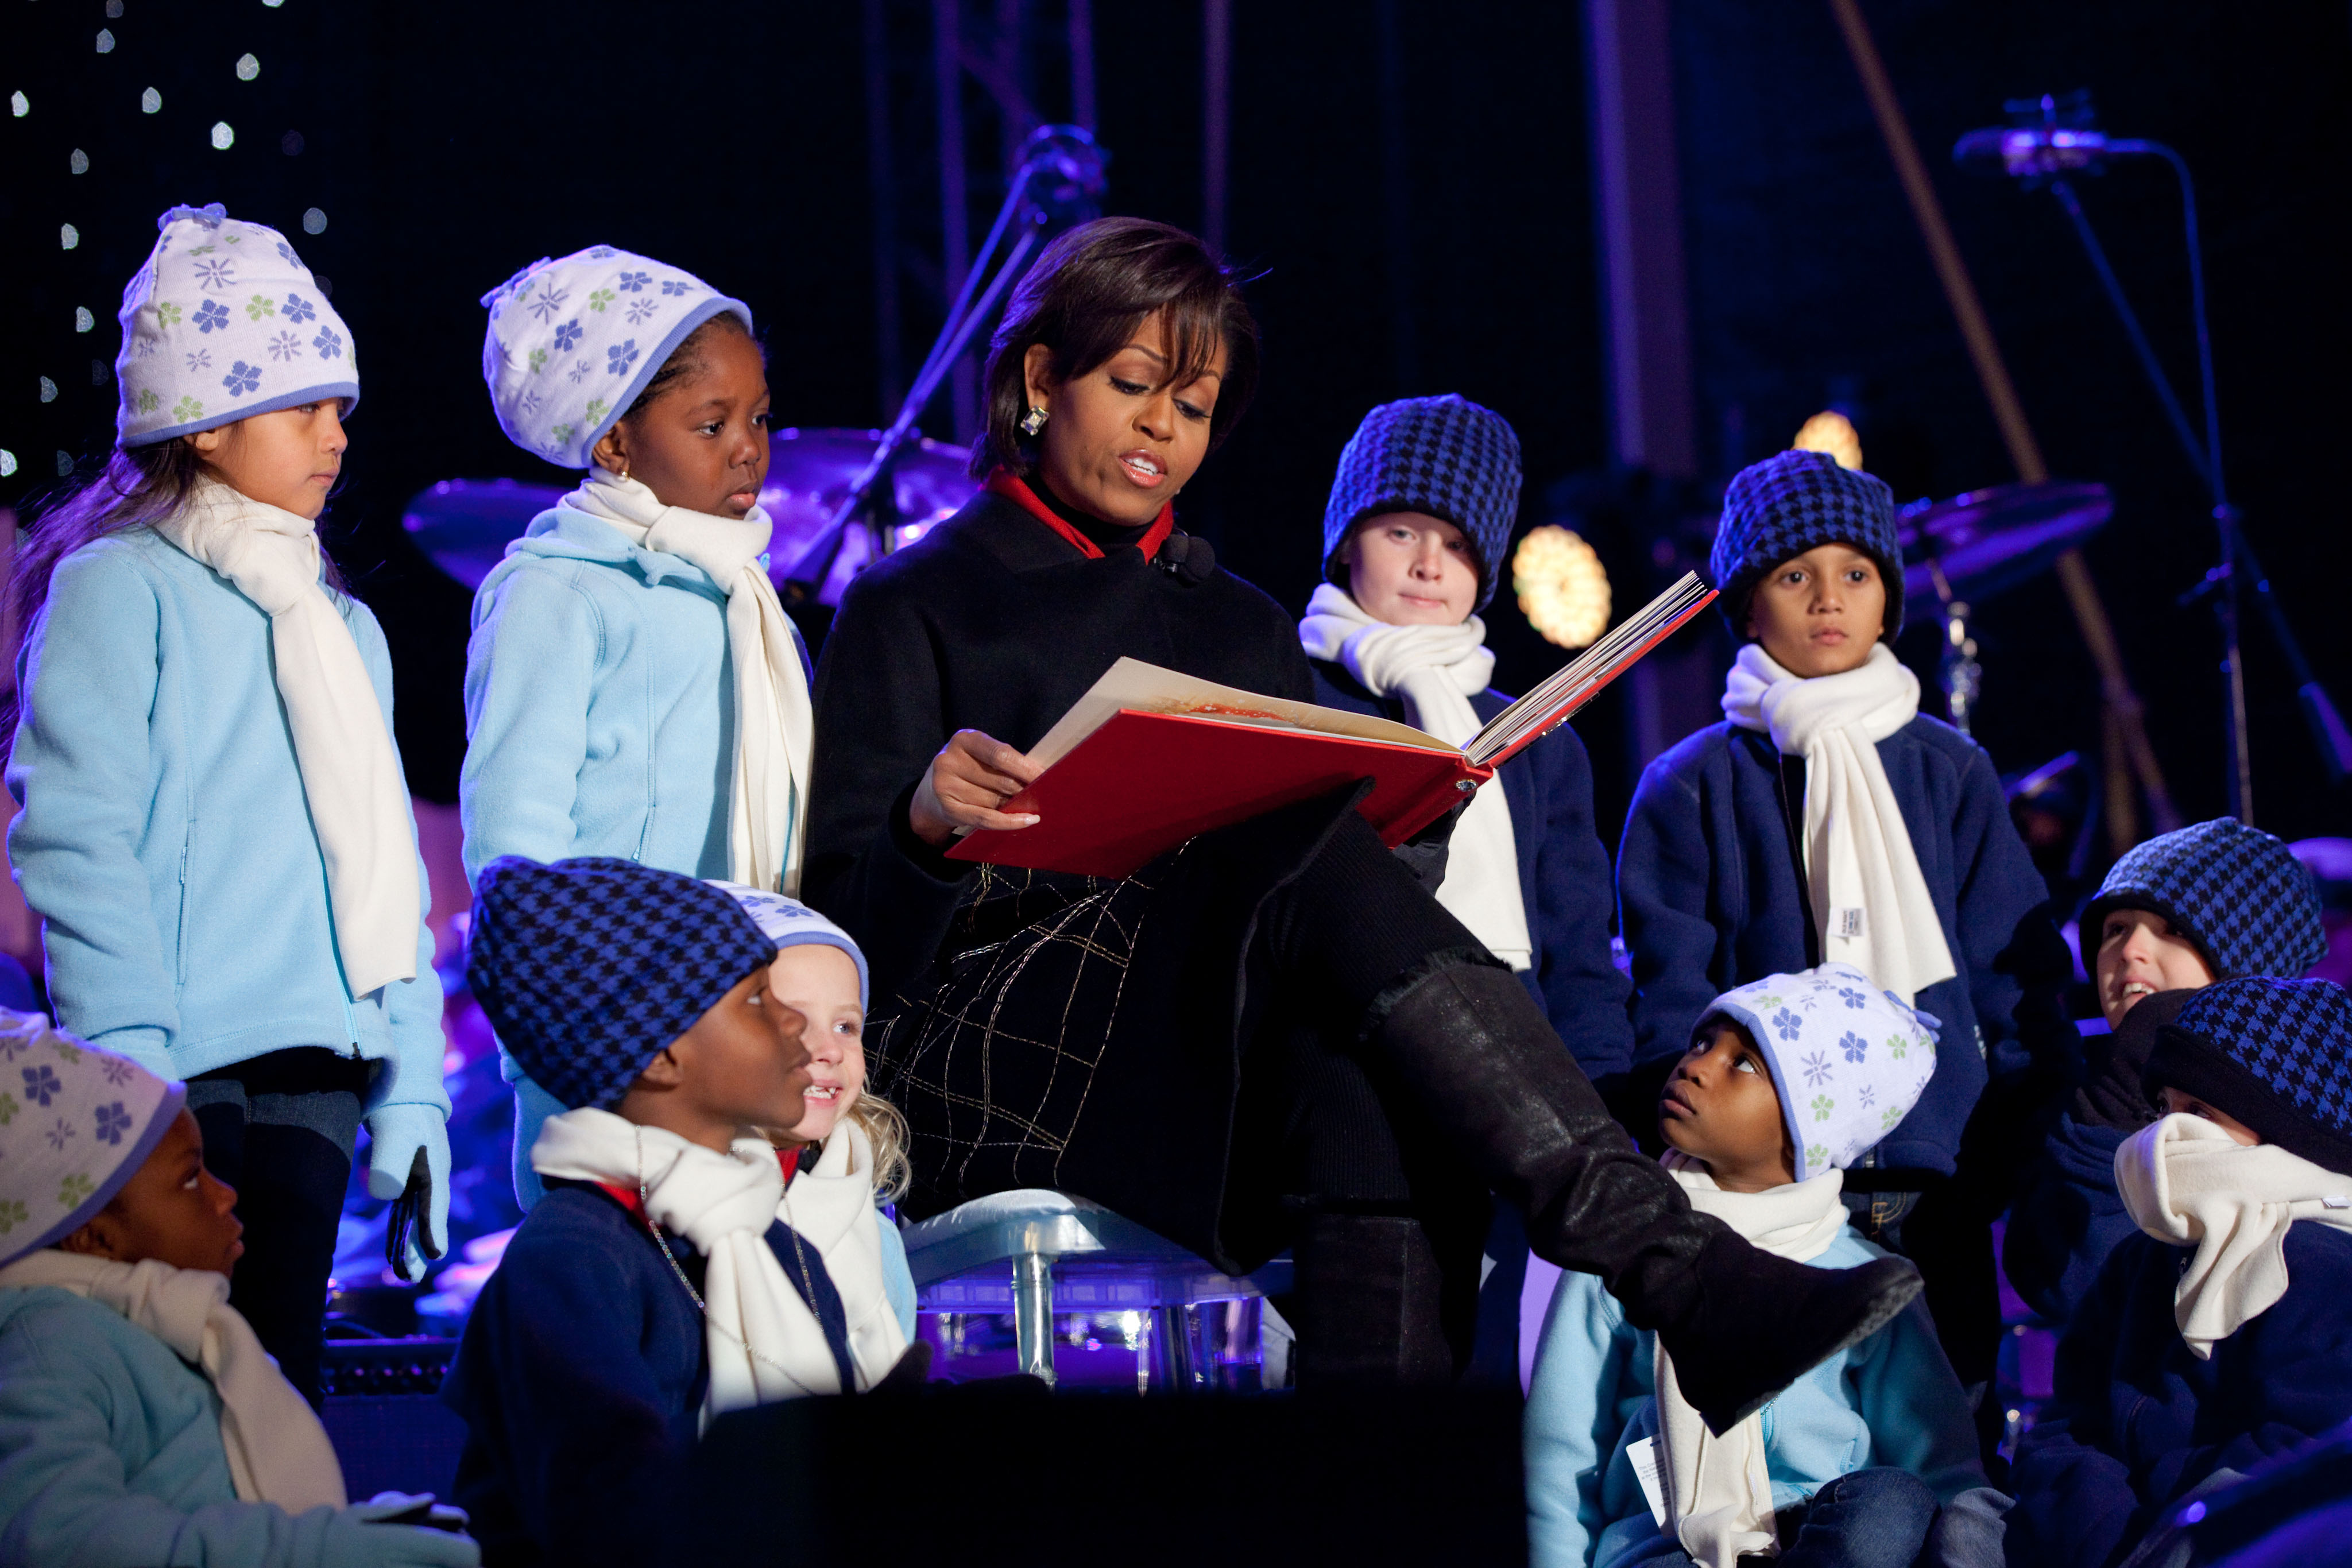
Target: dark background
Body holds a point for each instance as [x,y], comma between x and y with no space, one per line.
[1413,184]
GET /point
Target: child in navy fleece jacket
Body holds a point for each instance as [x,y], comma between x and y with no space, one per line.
[589,1365]
[1716,877]
[2217,1337]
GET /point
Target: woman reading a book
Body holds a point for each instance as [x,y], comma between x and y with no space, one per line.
[1272,1035]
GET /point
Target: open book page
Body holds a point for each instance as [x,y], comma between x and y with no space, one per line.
[1148,688]
[1577,681]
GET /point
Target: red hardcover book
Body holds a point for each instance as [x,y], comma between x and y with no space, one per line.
[1150,758]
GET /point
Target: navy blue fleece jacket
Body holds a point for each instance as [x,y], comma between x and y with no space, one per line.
[1709,895]
[1563,876]
[2137,1422]
[580,1379]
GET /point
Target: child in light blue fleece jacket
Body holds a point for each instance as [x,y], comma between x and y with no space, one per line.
[1864,1460]
[141,1421]
[633,687]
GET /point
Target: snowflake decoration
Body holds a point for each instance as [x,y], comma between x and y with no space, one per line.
[285,346]
[530,401]
[116,1071]
[1868,1096]
[1817,1069]
[547,301]
[221,274]
[639,309]
[202,360]
[579,372]
[62,1134]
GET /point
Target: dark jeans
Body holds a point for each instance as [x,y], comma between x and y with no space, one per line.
[1876,1518]
[280,1129]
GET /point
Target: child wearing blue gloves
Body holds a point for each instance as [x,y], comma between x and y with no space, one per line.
[216,831]
[633,687]
[140,1420]
[1864,1460]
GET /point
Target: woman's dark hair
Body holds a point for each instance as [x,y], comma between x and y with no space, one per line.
[1082,301]
[140,485]
[686,359]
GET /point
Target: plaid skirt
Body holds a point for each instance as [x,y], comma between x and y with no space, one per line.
[1087,1035]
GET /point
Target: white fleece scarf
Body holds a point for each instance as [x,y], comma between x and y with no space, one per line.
[277,1451]
[832,1207]
[764,1343]
[1718,1491]
[2187,1182]
[1869,902]
[351,775]
[1436,670]
[776,728]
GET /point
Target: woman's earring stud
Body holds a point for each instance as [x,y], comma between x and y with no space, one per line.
[1034,421]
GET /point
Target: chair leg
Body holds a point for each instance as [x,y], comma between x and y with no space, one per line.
[1033,1314]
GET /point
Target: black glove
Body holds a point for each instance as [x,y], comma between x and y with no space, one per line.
[1424,853]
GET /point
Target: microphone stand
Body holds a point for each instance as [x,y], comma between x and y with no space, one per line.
[1060,177]
[2221,584]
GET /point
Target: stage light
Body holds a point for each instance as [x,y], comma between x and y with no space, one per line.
[7,464]
[19,105]
[78,162]
[314,222]
[247,68]
[48,389]
[1830,432]
[65,465]
[291,144]
[83,320]
[114,8]
[150,101]
[273,5]
[68,236]
[222,137]
[1562,587]
[105,42]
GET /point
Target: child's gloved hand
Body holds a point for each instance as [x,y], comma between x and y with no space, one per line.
[421,1509]
[391,1531]
[408,1161]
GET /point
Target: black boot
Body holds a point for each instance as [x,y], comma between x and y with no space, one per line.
[1476,1053]
[1366,1305]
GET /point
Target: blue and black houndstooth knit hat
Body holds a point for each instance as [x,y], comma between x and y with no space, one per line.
[2235,891]
[1446,456]
[2275,1054]
[1794,502]
[589,967]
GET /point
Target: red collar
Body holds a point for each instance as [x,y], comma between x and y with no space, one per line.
[1006,483]
[627,1197]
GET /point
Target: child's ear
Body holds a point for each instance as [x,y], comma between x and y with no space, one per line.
[96,1238]
[664,1072]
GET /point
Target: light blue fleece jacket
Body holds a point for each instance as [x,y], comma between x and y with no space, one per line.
[600,720]
[165,841]
[1890,1400]
[111,1456]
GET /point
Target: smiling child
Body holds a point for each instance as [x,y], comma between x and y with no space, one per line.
[633,687]
[1785,1084]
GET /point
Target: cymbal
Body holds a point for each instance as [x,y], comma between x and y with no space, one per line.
[1988,541]
[808,473]
[464,525]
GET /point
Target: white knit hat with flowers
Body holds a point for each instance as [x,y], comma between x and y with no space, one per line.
[572,342]
[76,1123]
[224,321]
[1849,1059]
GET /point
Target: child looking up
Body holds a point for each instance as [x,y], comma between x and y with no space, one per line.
[2217,1337]
[1415,537]
[141,1421]
[1827,819]
[216,832]
[2216,901]
[846,1155]
[633,687]
[653,1287]
[1786,1082]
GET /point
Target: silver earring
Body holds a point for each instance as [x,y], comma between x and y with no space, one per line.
[1034,421]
